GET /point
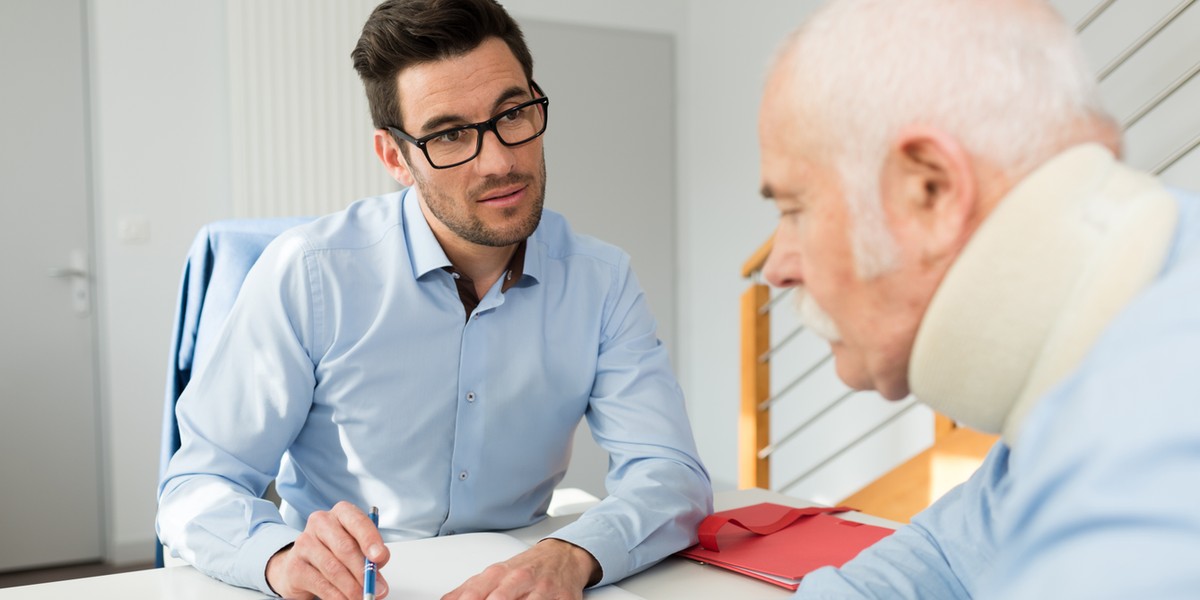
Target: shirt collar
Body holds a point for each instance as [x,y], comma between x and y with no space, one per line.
[423,248]
[516,267]
[512,271]
[534,255]
[427,255]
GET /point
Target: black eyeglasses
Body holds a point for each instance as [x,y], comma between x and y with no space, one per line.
[459,145]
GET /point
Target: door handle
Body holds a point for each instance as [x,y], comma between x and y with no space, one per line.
[65,272]
[77,272]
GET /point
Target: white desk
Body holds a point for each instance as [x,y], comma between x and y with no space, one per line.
[672,579]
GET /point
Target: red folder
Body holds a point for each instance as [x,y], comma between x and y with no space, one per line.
[780,544]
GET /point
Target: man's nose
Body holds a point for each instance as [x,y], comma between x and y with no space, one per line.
[494,157]
[782,269]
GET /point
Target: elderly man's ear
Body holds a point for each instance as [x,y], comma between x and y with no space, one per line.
[931,190]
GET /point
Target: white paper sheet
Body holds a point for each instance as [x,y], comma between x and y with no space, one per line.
[427,569]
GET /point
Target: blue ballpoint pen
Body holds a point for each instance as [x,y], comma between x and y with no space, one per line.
[369,565]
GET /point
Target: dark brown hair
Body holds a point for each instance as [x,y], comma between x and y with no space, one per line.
[402,33]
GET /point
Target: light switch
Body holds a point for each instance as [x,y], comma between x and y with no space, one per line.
[133,229]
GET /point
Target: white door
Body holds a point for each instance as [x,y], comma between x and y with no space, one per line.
[49,464]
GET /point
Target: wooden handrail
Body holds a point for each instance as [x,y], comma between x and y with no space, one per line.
[754,423]
[756,261]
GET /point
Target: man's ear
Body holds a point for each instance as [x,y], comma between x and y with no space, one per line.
[929,183]
[389,154]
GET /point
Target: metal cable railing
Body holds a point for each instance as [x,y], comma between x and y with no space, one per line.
[771,448]
[1092,15]
[1169,90]
[848,447]
[766,308]
[795,382]
[765,356]
[1161,96]
[1175,156]
[1143,39]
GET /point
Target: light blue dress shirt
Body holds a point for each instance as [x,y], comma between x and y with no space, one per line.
[1101,498]
[349,355]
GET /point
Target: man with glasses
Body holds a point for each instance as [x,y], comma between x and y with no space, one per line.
[432,351]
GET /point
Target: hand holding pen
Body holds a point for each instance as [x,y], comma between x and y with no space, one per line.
[369,565]
[326,560]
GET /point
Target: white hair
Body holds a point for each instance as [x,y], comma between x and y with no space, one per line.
[1007,79]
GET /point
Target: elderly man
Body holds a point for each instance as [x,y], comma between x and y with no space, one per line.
[432,351]
[956,224]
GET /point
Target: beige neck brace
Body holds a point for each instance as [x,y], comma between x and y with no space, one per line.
[1039,281]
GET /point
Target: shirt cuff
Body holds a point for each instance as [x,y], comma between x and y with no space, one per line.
[252,557]
[603,543]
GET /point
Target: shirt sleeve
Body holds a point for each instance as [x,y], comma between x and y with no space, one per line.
[658,489]
[939,555]
[236,419]
[1105,499]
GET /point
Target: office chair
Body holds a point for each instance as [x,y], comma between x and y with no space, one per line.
[217,263]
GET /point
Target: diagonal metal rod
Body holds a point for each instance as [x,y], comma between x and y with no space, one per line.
[847,447]
[777,347]
[1145,38]
[765,404]
[1175,156]
[1158,98]
[771,448]
[766,308]
[1091,16]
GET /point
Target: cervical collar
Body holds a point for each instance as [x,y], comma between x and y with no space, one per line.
[1035,286]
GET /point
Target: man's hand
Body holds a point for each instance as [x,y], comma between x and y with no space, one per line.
[550,570]
[327,559]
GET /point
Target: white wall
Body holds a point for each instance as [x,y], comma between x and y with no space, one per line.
[660,16]
[725,49]
[160,158]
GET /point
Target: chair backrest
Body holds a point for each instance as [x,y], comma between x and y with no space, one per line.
[217,263]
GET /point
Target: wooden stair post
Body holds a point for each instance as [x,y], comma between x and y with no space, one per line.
[754,420]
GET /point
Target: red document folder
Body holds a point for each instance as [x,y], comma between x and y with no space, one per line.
[780,544]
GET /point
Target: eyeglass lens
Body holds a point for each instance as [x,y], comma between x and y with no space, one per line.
[514,127]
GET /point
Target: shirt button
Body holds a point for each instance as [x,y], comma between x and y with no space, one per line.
[470,396]
[462,476]
[454,275]
[475,316]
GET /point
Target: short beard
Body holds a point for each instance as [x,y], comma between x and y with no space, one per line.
[474,230]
